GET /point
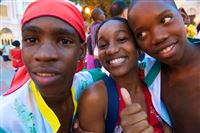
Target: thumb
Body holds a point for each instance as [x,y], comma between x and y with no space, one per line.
[126,96]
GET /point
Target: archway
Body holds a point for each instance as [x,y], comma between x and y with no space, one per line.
[6,36]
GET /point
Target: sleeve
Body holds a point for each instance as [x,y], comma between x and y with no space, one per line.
[82,80]
[85,78]
[153,81]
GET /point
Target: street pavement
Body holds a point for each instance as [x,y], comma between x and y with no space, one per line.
[6,75]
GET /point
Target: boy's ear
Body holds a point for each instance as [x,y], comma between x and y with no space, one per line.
[83,51]
[186,18]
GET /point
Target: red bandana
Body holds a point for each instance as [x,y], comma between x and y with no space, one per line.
[56,8]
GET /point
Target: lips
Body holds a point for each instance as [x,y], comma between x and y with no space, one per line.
[45,76]
[166,49]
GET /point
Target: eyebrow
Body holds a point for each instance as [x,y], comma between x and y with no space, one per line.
[56,31]
[118,31]
[158,16]
[164,12]
[31,28]
[61,31]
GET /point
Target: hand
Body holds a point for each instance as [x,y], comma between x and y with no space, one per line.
[77,129]
[133,118]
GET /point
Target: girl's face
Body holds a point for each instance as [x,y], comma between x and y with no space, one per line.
[117,50]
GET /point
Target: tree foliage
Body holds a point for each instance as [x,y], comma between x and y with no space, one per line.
[103,4]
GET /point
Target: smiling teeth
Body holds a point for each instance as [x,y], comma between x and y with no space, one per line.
[45,74]
[166,50]
[118,60]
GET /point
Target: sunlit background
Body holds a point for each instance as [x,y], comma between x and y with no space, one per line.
[11,12]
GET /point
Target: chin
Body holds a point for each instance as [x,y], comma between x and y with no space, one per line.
[118,73]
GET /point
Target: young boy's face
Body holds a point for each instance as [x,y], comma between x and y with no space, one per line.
[51,49]
[159,29]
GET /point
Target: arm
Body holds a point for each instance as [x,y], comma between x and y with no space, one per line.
[92,107]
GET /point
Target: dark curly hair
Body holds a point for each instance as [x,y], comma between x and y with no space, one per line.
[16,43]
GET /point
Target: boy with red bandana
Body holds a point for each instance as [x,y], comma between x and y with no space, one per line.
[53,42]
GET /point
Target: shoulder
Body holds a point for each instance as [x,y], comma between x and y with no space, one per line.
[92,108]
[95,97]
[95,93]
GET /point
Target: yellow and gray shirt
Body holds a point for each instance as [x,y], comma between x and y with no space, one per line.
[26,111]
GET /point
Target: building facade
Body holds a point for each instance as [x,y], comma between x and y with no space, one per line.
[11,12]
[192,7]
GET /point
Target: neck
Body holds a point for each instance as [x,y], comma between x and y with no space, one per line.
[55,95]
[56,101]
[129,81]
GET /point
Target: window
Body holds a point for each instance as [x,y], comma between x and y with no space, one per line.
[3,11]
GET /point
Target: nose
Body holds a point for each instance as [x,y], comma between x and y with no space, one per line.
[46,52]
[160,34]
[112,48]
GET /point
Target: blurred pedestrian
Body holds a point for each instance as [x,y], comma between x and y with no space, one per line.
[90,56]
[5,52]
[98,16]
[119,8]
[15,55]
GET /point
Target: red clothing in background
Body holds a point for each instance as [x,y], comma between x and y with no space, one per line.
[17,57]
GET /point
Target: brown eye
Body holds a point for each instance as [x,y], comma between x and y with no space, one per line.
[101,45]
[65,41]
[141,35]
[31,40]
[122,40]
[166,20]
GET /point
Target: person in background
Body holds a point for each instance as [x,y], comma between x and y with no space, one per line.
[90,56]
[159,29]
[119,8]
[5,52]
[97,16]
[52,43]
[15,55]
[1,49]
